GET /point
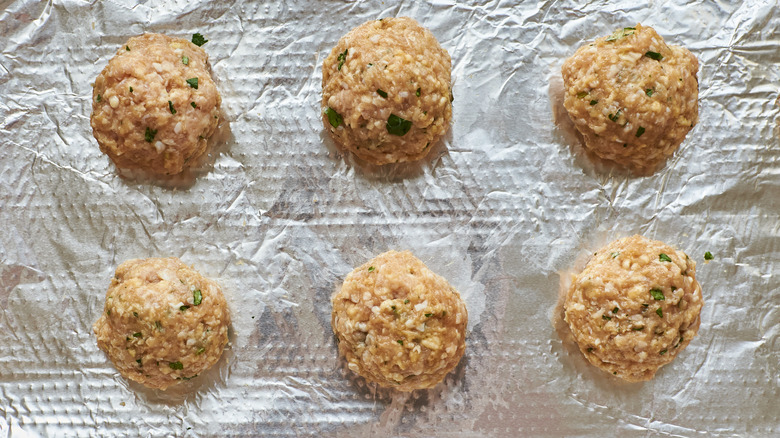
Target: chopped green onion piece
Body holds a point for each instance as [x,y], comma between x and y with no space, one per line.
[406,301]
[139,361]
[614,117]
[200,351]
[381,93]
[127,48]
[654,55]
[198,39]
[615,254]
[418,92]
[593,102]
[620,33]
[660,312]
[193,104]
[176,365]
[334,118]
[640,131]
[662,352]
[638,328]
[657,294]
[197,297]
[605,317]
[342,58]
[99,98]
[590,349]
[193,82]
[582,94]
[400,342]
[131,89]
[149,134]
[615,310]
[170,107]
[428,315]
[371,269]
[708,256]
[185,59]
[443,313]
[135,314]
[183,308]
[397,126]
[649,92]
[137,335]
[664,258]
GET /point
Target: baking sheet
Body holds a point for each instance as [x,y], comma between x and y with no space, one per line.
[506,208]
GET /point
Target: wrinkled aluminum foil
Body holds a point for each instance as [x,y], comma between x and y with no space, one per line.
[507,208]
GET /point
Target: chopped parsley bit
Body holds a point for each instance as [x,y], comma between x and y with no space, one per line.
[590,349]
[127,48]
[638,328]
[593,102]
[649,92]
[660,312]
[99,98]
[708,256]
[645,305]
[381,93]
[664,258]
[406,301]
[334,118]
[158,324]
[428,315]
[625,144]
[193,82]
[197,297]
[605,317]
[198,39]
[654,55]
[170,107]
[620,33]
[342,58]
[400,342]
[615,254]
[193,105]
[135,314]
[397,126]
[137,335]
[149,134]
[678,342]
[139,361]
[131,89]
[674,288]
[640,131]
[657,294]
[614,117]
[183,308]
[200,351]
[108,312]
[582,94]
[418,92]
[371,269]
[615,310]
[185,59]
[176,365]
[662,352]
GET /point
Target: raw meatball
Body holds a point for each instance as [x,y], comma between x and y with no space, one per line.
[632,97]
[634,307]
[386,93]
[155,105]
[163,322]
[399,324]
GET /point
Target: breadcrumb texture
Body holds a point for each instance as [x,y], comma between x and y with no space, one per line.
[614,316]
[630,108]
[398,57]
[123,120]
[155,329]
[399,324]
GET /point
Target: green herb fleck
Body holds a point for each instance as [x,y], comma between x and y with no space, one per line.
[678,342]
[606,318]
[198,39]
[149,134]
[662,352]
[108,312]
[638,328]
[590,349]
[170,107]
[400,342]
[664,258]
[127,48]
[428,315]
[614,117]
[371,269]
[200,351]
[135,314]
[183,308]
[406,301]
[615,254]
[139,362]
[660,312]
[193,82]
[593,102]
[654,55]
[158,324]
[397,126]
[192,104]
[649,92]
[582,94]
[418,92]
[615,310]
[137,335]
[334,118]
[620,33]
[708,256]
[342,58]
[197,297]
[131,89]
[657,294]
[640,131]
[443,313]
[185,60]
[99,98]
[381,93]
[176,365]
[674,288]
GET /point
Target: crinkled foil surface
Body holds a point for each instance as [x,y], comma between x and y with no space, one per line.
[506,208]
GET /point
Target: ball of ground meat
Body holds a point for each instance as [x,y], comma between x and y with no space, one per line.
[632,97]
[163,322]
[386,92]
[155,105]
[634,307]
[399,324]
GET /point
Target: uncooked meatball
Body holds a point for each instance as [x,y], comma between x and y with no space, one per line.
[155,105]
[634,307]
[163,322]
[632,97]
[386,93]
[399,324]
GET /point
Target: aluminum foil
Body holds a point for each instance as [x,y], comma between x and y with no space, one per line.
[506,208]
